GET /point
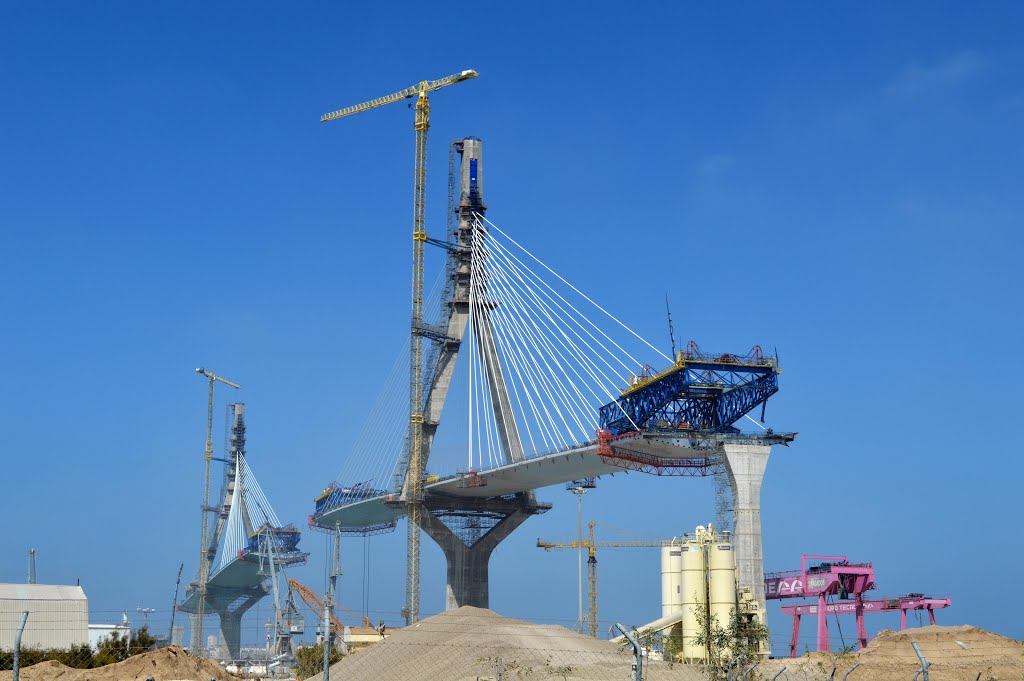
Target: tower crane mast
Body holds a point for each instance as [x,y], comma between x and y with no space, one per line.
[412,493]
[196,646]
[591,546]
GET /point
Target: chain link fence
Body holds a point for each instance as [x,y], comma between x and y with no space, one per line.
[489,648]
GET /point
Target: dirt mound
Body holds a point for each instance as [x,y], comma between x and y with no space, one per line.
[44,671]
[467,643]
[953,652]
[165,664]
[963,642]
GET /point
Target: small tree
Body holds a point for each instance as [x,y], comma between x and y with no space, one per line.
[119,647]
[309,660]
[741,639]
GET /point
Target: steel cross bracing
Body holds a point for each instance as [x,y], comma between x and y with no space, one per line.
[699,392]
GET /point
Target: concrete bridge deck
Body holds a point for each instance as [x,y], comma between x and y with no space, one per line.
[546,470]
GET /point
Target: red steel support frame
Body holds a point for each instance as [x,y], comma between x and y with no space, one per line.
[859,606]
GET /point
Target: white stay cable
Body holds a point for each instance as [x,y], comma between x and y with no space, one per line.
[572,405]
[515,357]
[585,297]
[543,377]
[526,277]
[578,355]
[576,360]
[608,385]
[520,360]
[549,387]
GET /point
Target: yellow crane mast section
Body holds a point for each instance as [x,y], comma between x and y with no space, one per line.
[414,486]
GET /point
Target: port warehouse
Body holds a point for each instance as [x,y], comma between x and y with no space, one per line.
[58,615]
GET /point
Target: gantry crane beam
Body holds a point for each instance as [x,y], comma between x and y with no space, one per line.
[412,493]
[196,646]
[591,546]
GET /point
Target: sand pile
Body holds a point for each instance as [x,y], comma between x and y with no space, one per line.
[965,642]
[466,644]
[165,664]
[954,653]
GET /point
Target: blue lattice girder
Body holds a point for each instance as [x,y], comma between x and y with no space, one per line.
[705,396]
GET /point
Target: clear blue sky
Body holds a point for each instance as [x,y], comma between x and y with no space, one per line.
[840,182]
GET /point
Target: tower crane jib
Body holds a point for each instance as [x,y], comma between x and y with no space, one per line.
[412,493]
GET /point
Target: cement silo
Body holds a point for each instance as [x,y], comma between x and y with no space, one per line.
[670,579]
[695,593]
[722,580]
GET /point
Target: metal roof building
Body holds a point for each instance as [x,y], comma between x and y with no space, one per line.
[58,616]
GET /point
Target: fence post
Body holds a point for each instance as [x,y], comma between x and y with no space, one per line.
[850,671]
[638,653]
[501,669]
[17,646]
[923,672]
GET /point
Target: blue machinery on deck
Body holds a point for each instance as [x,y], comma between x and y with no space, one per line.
[700,392]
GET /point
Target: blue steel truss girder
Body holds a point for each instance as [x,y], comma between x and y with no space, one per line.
[704,396]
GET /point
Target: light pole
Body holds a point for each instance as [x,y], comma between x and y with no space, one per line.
[579,491]
[145,615]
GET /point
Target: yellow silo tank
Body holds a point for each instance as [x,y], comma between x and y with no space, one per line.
[670,580]
[722,580]
[694,594]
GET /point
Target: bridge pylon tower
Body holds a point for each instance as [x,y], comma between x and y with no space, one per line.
[466,529]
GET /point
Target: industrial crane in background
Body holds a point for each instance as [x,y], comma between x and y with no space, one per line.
[591,546]
[314,603]
[196,646]
[413,491]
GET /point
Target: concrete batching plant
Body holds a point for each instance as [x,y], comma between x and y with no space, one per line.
[698,592]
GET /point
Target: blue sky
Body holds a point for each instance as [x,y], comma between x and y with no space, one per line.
[840,182]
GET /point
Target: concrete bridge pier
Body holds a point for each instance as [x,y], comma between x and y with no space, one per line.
[745,465]
[229,642]
[467,556]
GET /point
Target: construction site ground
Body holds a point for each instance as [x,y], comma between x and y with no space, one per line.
[165,664]
[961,652]
[471,644]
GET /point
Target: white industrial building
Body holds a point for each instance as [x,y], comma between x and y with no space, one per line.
[98,632]
[58,615]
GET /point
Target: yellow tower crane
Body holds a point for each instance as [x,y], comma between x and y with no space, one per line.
[413,491]
[591,546]
[204,550]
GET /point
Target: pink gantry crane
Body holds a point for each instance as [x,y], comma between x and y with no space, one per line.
[824,576]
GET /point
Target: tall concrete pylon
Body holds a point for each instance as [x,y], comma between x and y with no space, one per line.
[745,465]
[447,522]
